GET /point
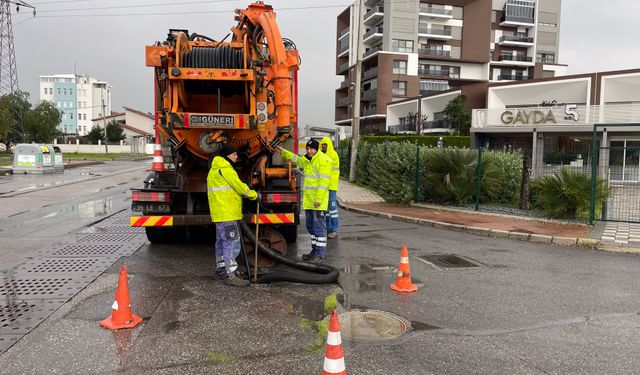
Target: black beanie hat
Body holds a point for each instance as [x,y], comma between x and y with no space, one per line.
[227,150]
[313,144]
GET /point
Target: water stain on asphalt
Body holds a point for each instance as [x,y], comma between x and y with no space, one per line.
[91,209]
[420,326]
[365,237]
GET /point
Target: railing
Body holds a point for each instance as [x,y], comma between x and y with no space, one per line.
[516,38]
[373,30]
[402,128]
[438,124]
[434,52]
[516,58]
[432,10]
[431,31]
[374,10]
[342,67]
[369,112]
[371,51]
[343,48]
[344,32]
[345,83]
[509,77]
[438,73]
[564,114]
[370,73]
[341,117]
[369,94]
[343,102]
[424,92]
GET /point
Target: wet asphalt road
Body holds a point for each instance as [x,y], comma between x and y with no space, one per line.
[527,309]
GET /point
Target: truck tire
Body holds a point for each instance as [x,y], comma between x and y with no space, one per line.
[289,232]
[161,235]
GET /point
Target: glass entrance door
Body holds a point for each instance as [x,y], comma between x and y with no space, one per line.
[624,160]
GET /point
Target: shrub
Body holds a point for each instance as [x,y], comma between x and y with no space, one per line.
[393,170]
[509,167]
[422,140]
[568,194]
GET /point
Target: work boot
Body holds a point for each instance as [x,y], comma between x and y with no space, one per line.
[220,274]
[315,259]
[307,256]
[234,280]
[332,235]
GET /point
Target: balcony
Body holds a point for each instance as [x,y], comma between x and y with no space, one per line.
[371,51]
[342,117]
[344,49]
[432,52]
[343,67]
[344,84]
[516,21]
[510,77]
[344,32]
[369,94]
[515,40]
[404,128]
[429,11]
[435,33]
[373,35]
[438,124]
[369,111]
[342,102]
[374,15]
[518,58]
[425,92]
[370,73]
[438,73]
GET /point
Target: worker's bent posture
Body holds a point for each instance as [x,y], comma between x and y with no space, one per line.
[225,192]
[316,167]
[332,217]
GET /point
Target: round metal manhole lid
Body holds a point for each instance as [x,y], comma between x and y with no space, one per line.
[371,325]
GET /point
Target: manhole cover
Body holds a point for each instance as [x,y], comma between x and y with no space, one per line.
[371,325]
[447,261]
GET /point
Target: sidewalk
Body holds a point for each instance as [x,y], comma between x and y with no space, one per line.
[359,199]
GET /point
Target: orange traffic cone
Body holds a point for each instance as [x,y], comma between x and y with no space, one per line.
[121,316]
[334,357]
[158,160]
[403,282]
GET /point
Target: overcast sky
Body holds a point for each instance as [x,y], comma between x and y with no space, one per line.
[68,33]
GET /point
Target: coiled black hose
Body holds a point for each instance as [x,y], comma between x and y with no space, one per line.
[223,57]
[320,273]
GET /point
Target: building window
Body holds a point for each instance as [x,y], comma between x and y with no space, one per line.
[399,88]
[546,57]
[84,116]
[399,67]
[45,91]
[433,86]
[59,91]
[79,116]
[70,116]
[70,91]
[399,45]
[64,91]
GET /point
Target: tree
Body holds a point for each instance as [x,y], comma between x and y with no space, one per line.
[417,121]
[13,107]
[41,123]
[459,116]
[96,134]
[115,132]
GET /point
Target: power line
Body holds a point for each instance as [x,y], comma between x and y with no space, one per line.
[136,6]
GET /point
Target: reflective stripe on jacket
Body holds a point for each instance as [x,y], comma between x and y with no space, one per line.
[225,191]
[335,163]
[317,175]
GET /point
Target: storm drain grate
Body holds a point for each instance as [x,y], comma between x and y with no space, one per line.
[371,325]
[447,261]
[85,266]
[115,229]
[20,287]
[111,237]
[119,221]
[22,317]
[92,249]
[7,341]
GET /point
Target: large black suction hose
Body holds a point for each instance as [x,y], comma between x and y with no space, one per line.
[321,273]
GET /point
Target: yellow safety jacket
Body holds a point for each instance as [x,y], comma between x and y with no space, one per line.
[335,163]
[317,174]
[225,191]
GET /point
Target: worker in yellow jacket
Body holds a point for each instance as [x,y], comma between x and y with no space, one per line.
[332,216]
[225,192]
[316,167]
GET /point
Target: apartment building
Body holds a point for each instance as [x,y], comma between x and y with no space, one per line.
[417,48]
[79,98]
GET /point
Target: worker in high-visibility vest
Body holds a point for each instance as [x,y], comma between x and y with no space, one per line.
[332,217]
[316,167]
[225,192]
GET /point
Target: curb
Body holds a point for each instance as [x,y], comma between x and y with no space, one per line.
[534,238]
[78,165]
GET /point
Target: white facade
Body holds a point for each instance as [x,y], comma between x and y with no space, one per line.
[79,98]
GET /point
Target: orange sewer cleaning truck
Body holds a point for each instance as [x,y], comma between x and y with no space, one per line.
[241,91]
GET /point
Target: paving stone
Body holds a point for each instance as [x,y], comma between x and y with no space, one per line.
[565,241]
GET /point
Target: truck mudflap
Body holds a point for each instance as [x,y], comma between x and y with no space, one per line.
[184,220]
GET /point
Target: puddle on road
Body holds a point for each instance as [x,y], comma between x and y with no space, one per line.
[91,209]
[362,237]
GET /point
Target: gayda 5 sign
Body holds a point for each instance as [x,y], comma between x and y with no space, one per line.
[537,116]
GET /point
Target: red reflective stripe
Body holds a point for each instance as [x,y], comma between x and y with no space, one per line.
[241,121]
[264,219]
[283,218]
[163,220]
[154,197]
[140,221]
[185,117]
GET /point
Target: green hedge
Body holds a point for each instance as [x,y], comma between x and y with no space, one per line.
[422,140]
